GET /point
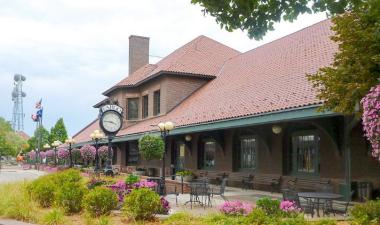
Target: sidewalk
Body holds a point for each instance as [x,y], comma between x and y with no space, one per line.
[12,222]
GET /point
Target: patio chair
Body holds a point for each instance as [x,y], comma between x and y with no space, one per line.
[247,182]
[200,193]
[291,195]
[307,205]
[220,190]
[338,207]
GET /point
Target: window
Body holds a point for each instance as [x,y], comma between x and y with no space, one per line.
[156,102]
[209,154]
[133,108]
[133,153]
[145,106]
[306,153]
[180,156]
[248,152]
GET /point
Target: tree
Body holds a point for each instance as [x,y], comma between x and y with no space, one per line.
[58,132]
[10,142]
[356,66]
[44,138]
[258,17]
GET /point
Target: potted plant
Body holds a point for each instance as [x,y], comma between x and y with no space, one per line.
[186,175]
[139,172]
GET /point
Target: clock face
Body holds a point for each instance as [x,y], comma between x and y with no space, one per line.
[111,121]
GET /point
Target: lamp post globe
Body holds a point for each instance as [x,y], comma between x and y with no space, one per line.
[96,136]
[69,141]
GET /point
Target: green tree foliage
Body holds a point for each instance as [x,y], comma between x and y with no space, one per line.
[258,17]
[44,138]
[356,66]
[58,132]
[10,142]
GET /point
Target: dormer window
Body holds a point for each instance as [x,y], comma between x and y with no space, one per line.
[145,108]
[156,103]
[133,108]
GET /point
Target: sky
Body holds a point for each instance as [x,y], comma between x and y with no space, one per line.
[72,50]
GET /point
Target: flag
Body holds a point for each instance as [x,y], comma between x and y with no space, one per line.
[39,104]
[39,112]
[34,117]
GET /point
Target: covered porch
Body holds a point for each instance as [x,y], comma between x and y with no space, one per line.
[302,145]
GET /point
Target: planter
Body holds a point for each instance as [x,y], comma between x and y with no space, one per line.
[185,178]
[139,173]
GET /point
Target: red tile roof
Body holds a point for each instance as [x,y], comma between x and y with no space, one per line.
[266,79]
[84,134]
[200,57]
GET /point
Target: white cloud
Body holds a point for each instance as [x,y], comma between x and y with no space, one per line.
[71,51]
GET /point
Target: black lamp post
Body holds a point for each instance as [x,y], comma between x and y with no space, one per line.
[165,128]
[55,144]
[109,170]
[46,146]
[96,136]
[70,141]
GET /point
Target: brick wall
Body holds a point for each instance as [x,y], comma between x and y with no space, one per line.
[138,52]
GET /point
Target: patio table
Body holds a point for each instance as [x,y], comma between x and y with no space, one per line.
[199,193]
[317,196]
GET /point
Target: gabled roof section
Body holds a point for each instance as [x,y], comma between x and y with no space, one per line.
[201,57]
[84,134]
[267,79]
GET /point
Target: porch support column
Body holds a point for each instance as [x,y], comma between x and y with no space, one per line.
[349,123]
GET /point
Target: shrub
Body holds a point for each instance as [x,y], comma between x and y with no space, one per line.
[131,179]
[100,201]
[142,203]
[70,175]
[103,221]
[269,206]
[54,217]
[184,173]
[69,196]
[151,147]
[326,222]
[367,213]
[93,183]
[181,218]
[42,190]
[235,208]
[16,203]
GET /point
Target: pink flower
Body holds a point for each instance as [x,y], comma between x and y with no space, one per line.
[371,119]
[32,155]
[63,153]
[88,152]
[235,208]
[49,153]
[145,184]
[103,152]
[289,206]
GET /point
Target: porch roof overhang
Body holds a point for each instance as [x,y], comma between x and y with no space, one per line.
[295,114]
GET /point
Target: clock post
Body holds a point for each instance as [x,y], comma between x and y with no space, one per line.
[111,121]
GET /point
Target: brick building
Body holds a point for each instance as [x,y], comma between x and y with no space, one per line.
[242,113]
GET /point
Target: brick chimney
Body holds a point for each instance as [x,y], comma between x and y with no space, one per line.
[138,52]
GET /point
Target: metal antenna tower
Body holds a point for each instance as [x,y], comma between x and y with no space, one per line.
[18,108]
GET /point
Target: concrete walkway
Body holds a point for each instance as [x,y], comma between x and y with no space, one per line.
[231,194]
[12,222]
[15,173]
